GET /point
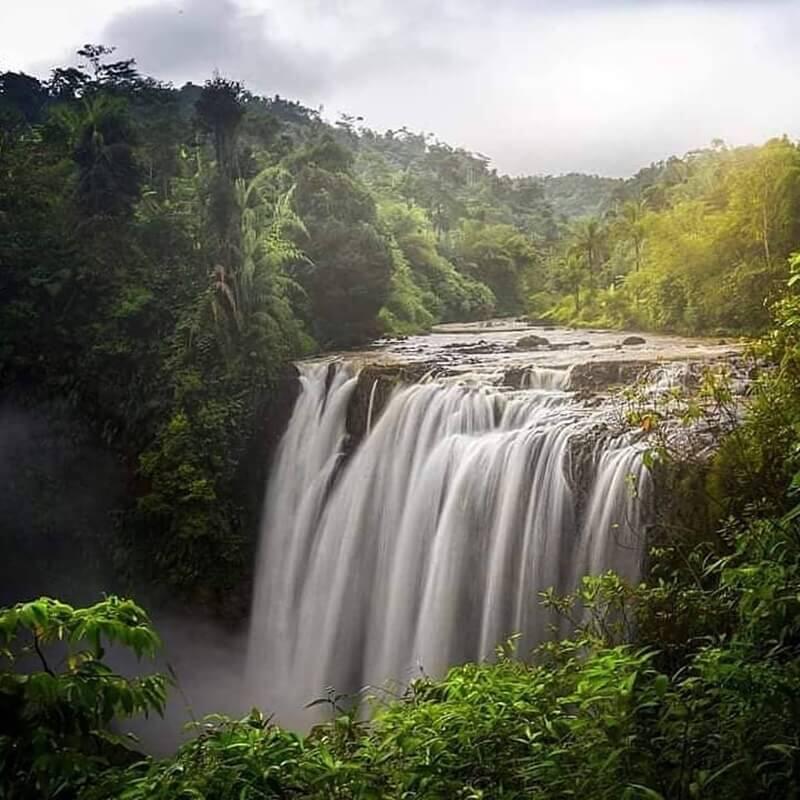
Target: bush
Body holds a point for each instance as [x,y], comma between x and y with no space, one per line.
[593,716]
[56,732]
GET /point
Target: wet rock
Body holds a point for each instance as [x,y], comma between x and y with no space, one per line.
[532,342]
[581,464]
[481,346]
[378,381]
[537,321]
[596,376]
[631,340]
[515,377]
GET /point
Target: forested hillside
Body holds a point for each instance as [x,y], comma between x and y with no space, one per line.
[695,244]
[576,195]
[166,252]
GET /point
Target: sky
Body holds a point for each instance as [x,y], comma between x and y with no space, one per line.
[539,86]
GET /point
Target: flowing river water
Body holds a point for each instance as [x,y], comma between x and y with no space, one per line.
[411,524]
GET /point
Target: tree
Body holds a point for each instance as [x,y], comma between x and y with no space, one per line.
[109,178]
[349,266]
[631,224]
[447,294]
[765,195]
[121,75]
[22,98]
[568,274]
[589,240]
[499,256]
[219,111]
[254,292]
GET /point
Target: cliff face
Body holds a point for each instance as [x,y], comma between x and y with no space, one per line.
[375,385]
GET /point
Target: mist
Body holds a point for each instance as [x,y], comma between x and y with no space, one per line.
[60,491]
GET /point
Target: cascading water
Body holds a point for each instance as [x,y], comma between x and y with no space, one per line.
[547,378]
[429,545]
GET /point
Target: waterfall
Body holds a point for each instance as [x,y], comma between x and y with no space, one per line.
[547,378]
[429,545]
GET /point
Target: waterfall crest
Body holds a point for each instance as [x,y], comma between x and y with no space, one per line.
[429,545]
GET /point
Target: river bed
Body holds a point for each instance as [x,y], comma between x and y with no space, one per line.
[487,350]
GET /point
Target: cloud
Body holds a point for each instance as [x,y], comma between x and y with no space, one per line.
[604,86]
[189,40]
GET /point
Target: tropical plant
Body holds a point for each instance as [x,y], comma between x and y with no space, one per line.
[59,698]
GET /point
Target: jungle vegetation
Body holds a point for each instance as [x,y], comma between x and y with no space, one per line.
[165,253]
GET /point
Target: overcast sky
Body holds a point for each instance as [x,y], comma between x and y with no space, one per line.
[540,86]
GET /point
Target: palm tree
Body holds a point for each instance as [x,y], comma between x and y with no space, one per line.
[573,270]
[631,219]
[589,238]
[109,178]
[254,289]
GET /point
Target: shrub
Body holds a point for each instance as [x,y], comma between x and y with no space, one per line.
[56,722]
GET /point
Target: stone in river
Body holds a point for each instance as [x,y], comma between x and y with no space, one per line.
[531,342]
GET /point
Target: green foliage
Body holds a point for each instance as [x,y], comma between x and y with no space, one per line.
[592,716]
[407,307]
[469,235]
[693,245]
[349,268]
[757,462]
[147,281]
[56,731]
[219,112]
[500,256]
[574,195]
[108,179]
[446,293]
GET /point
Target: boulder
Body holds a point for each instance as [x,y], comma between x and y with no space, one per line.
[531,342]
[630,340]
[599,376]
